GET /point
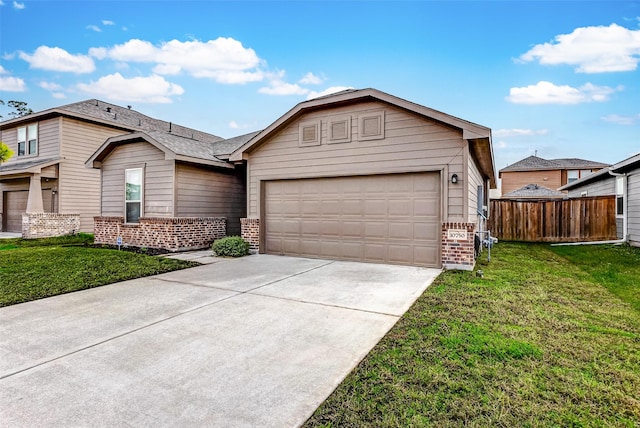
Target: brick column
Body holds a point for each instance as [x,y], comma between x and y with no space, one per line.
[251,232]
[457,245]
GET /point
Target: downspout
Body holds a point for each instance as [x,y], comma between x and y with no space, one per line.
[625,211]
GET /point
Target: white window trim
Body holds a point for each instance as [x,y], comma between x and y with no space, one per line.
[621,193]
[27,140]
[140,201]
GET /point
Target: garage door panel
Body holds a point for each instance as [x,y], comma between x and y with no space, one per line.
[426,232]
[352,207]
[15,204]
[310,228]
[392,218]
[331,228]
[331,207]
[352,229]
[403,231]
[374,252]
[400,253]
[400,207]
[375,229]
[375,208]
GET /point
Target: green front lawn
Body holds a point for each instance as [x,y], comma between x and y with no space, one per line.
[33,269]
[550,337]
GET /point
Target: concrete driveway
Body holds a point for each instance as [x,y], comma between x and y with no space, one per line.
[257,341]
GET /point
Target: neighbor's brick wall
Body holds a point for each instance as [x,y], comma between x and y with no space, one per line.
[458,254]
[251,232]
[45,225]
[173,234]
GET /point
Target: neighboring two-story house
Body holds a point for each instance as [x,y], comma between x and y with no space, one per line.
[546,174]
[47,179]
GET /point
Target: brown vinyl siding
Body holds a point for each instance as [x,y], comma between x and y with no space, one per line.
[411,144]
[204,192]
[48,137]
[515,180]
[79,187]
[158,180]
[633,207]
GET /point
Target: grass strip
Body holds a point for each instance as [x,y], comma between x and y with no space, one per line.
[538,342]
[34,269]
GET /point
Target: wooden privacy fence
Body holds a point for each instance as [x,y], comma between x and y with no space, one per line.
[565,220]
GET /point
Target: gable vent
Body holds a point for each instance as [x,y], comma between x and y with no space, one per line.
[309,134]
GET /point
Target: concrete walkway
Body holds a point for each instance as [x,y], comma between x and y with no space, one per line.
[257,341]
[6,235]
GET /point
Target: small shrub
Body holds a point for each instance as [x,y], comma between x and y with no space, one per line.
[231,246]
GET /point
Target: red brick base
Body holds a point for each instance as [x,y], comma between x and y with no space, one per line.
[173,234]
[251,232]
[457,246]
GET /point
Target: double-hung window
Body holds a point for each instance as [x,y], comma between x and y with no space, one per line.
[619,196]
[133,195]
[28,140]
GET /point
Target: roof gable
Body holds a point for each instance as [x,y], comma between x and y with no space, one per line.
[534,191]
[478,136]
[624,166]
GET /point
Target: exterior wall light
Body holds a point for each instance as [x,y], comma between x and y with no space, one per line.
[454,178]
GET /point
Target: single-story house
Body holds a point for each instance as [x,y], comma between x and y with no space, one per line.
[622,180]
[534,191]
[366,176]
[161,190]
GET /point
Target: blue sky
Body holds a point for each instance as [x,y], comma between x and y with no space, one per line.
[560,78]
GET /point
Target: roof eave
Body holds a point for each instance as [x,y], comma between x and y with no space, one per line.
[200,161]
[470,130]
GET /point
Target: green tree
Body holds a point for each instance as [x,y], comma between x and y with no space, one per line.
[20,108]
[5,152]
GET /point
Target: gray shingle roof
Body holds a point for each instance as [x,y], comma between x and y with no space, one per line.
[534,191]
[133,120]
[20,165]
[226,147]
[533,163]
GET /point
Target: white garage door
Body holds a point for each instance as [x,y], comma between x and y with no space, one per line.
[391,218]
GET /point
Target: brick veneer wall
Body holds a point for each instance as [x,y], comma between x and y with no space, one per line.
[173,234]
[45,225]
[250,231]
[458,253]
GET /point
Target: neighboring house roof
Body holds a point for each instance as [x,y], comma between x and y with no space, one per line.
[31,165]
[534,191]
[621,167]
[115,116]
[534,163]
[478,136]
[175,147]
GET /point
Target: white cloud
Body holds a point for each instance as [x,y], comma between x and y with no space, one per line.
[547,93]
[94,28]
[516,132]
[278,87]
[1,3]
[500,145]
[2,70]
[12,84]
[591,49]
[152,89]
[18,6]
[331,90]
[233,125]
[311,79]
[108,22]
[57,59]
[622,119]
[224,60]
[58,95]
[50,86]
